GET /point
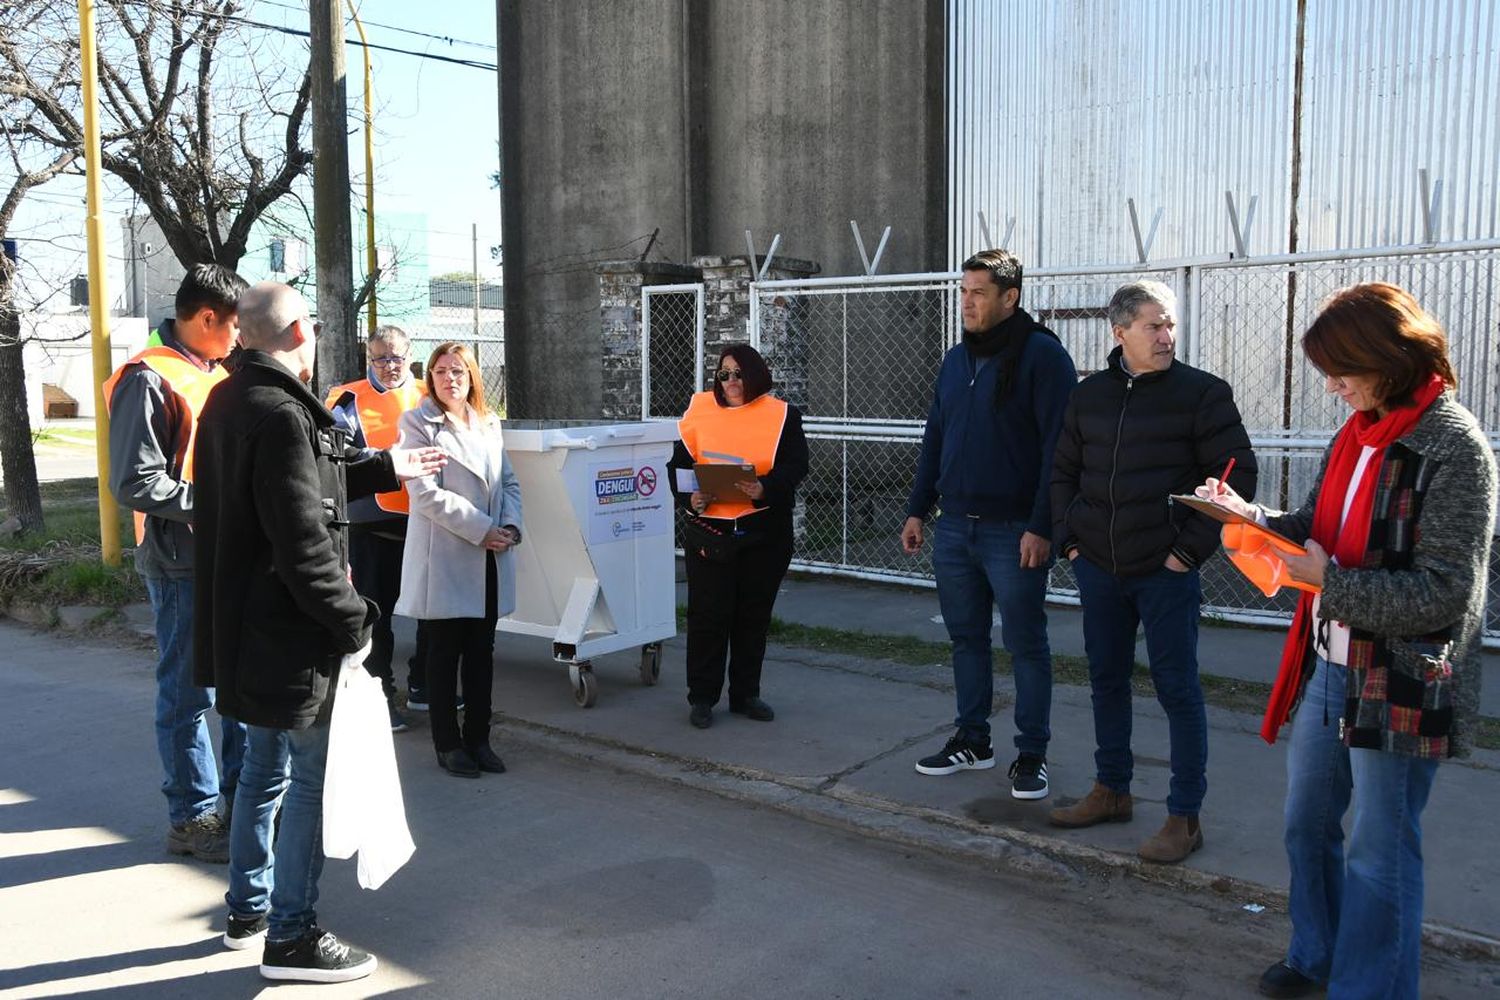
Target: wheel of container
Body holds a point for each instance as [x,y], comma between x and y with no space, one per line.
[586,690]
[650,663]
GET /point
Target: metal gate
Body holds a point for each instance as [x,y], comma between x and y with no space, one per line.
[671,349]
[859,356]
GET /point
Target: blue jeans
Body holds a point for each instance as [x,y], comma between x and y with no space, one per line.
[1356,910]
[190,781]
[978,568]
[1166,603]
[283,769]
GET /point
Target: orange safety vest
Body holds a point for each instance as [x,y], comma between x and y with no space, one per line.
[378,414]
[189,383]
[750,433]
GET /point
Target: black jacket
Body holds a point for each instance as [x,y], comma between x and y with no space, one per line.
[274,610]
[1127,443]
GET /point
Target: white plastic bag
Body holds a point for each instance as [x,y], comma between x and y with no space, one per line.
[362,806]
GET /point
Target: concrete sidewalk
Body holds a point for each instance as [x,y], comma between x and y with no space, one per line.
[848,732]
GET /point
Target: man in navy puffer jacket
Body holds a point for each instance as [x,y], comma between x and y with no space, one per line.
[986,451]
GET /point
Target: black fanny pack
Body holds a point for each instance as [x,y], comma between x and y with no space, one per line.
[711,542]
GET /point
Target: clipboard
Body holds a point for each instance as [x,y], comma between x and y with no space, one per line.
[1226,516]
[718,479]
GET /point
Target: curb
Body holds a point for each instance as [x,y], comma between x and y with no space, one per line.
[929,829]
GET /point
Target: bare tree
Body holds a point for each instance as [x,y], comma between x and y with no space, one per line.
[34,164]
[207,143]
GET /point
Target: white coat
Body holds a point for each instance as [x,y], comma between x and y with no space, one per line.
[442,570]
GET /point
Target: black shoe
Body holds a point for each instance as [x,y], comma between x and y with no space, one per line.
[244,932]
[1281,980]
[487,759]
[958,754]
[702,716]
[458,762]
[1028,776]
[416,699]
[398,721]
[203,837]
[753,708]
[315,957]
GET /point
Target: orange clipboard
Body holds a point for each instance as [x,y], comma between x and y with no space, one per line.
[1254,549]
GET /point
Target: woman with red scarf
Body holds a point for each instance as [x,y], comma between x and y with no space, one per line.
[1384,661]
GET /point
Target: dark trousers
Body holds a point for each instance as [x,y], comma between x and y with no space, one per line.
[375,565]
[464,645]
[729,610]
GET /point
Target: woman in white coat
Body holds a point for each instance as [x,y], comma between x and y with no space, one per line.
[457,574]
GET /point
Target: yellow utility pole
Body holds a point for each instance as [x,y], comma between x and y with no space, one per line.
[109,513]
[372,260]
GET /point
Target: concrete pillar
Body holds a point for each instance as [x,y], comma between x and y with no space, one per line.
[620,284]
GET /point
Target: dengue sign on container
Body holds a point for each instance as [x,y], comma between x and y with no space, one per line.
[629,501]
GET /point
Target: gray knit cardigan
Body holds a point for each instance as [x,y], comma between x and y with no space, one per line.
[1421,585]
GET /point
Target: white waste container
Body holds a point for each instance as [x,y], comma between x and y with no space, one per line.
[597,572]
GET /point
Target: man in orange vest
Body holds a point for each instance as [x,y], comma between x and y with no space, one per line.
[154,400]
[369,409]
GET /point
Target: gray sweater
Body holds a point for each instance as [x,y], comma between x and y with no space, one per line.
[1441,589]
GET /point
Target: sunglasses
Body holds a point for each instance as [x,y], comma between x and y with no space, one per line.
[725,374]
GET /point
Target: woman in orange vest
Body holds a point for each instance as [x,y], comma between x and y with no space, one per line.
[737,546]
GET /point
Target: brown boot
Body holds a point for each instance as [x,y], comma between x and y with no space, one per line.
[1178,838]
[1100,805]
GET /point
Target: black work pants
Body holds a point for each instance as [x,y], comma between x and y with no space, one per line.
[375,566]
[464,645]
[729,610]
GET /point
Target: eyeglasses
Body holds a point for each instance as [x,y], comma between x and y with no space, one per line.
[389,361]
[725,374]
[457,374]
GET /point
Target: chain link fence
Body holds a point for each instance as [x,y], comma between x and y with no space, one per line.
[859,356]
[672,359]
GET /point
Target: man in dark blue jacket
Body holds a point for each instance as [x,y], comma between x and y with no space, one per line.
[987,452]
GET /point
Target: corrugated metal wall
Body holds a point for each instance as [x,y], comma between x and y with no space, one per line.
[1060,110]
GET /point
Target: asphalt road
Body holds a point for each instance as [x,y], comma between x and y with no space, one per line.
[558,880]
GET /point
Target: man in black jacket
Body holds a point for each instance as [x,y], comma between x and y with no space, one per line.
[276,614]
[1145,427]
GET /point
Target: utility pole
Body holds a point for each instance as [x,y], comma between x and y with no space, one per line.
[338,355]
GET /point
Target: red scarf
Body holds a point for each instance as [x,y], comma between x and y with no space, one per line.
[1347,545]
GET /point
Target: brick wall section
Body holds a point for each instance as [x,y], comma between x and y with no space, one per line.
[726,306]
[620,284]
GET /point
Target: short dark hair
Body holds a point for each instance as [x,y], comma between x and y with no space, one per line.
[1380,329]
[1004,267]
[754,372]
[211,285]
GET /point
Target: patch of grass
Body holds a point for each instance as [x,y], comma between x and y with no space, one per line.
[87,581]
[77,437]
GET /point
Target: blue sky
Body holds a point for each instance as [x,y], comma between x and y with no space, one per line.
[435,139]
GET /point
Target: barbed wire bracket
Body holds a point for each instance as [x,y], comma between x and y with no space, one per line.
[765,267]
[870,266]
[1142,247]
[1241,232]
[989,241]
[1432,196]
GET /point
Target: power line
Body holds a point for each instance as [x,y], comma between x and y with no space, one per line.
[283,29]
[392,27]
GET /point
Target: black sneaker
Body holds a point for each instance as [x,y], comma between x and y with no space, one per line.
[958,754]
[398,721]
[244,932]
[203,837]
[315,957]
[1028,776]
[416,699]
